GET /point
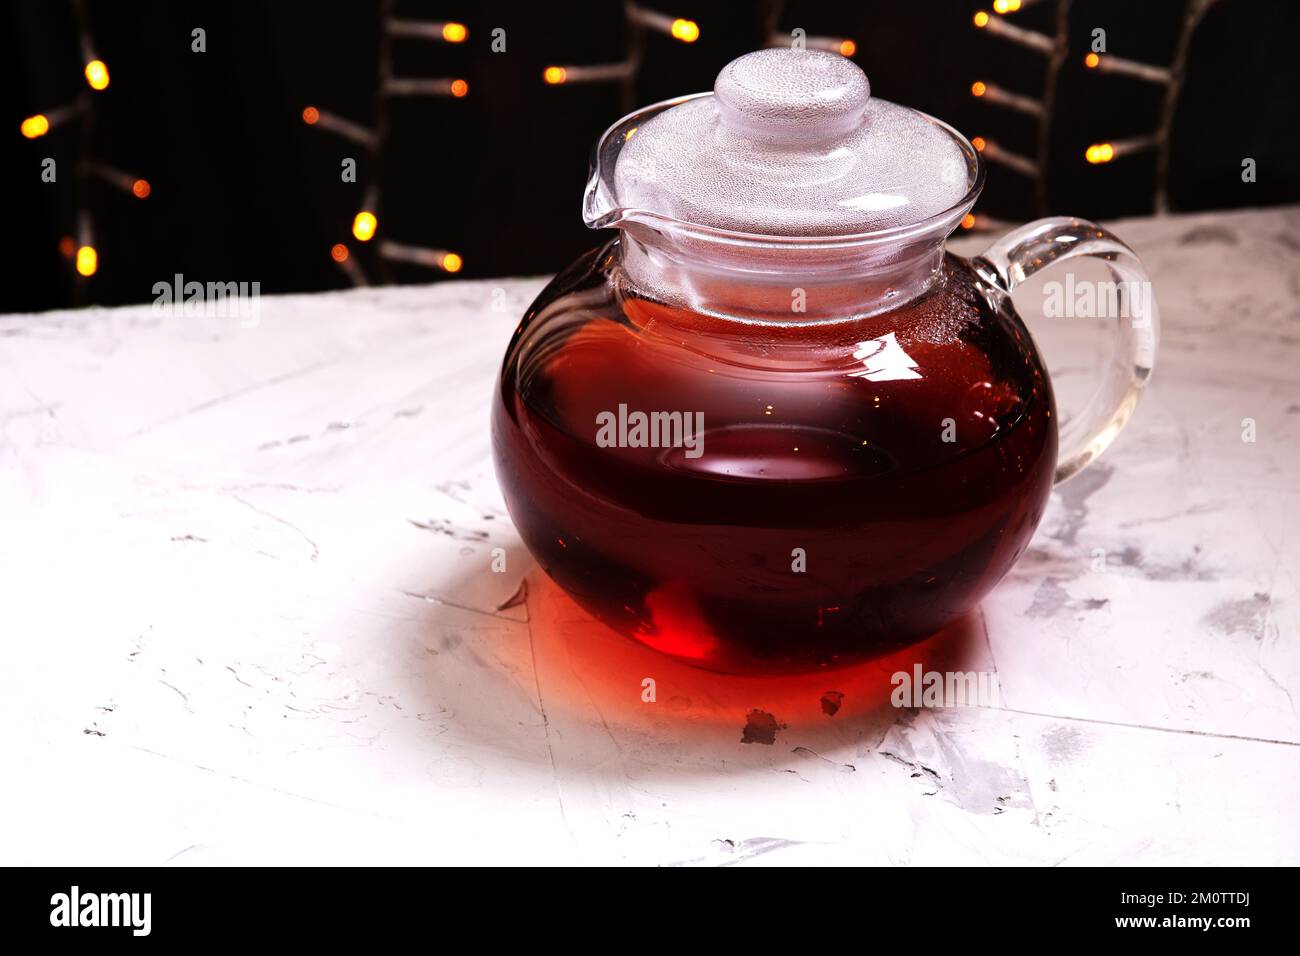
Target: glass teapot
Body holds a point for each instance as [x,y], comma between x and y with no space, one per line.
[773,426]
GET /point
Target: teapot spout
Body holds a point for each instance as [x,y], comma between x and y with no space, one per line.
[600,205]
[599,209]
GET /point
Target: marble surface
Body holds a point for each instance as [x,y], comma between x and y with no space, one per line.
[247,614]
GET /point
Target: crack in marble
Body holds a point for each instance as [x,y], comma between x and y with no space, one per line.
[315,550]
[1152,727]
[237,393]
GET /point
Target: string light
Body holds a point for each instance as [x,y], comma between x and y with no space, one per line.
[422,86]
[341,256]
[848,48]
[1171,79]
[624,72]
[1055,48]
[135,185]
[87,261]
[1100,153]
[337,124]
[426,30]
[97,74]
[36,126]
[688,31]
[978,222]
[421,256]
[1015,101]
[995,153]
[364,225]
[81,250]
[1124,67]
[1028,38]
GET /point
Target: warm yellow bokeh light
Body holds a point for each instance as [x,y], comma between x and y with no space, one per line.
[454,32]
[968,221]
[141,189]
[364,226]
[1100,153]
[97,74]
[848,48]
[555,75]
[339,252]
[978,89]
[1006,6]
[979,143]
[688,31]
[87,260]
[35,126]
[981,19]
[459,88]
[1091,61]
[452,262]
[311,116]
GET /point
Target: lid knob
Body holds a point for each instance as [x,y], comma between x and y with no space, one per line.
[792,97]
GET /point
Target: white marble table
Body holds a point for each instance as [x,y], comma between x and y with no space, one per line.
[247,614]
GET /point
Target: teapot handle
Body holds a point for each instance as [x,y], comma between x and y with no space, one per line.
[1033,247]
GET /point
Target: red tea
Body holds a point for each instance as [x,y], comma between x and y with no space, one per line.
[856,484]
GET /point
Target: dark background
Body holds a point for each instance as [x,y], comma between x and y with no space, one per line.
[244,191]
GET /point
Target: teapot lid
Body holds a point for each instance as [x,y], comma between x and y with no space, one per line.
[791,143]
